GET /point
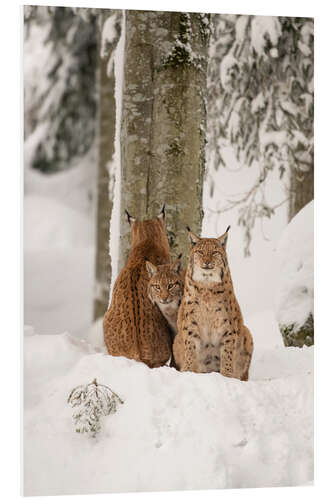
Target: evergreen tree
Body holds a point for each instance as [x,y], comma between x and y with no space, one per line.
[60,86]
[260,100]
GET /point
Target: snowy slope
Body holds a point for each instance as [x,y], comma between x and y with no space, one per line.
[175,430]
[294,301]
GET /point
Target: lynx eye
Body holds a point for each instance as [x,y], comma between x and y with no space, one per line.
[157,287]
[216,252]
[172,285]
[199,252]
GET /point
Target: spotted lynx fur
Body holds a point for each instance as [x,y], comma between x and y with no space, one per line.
[211,333]
[165,290]
[133,326]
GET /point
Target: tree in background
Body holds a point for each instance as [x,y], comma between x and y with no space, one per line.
[260,100]
[163,128]
[109,33]
[60,86]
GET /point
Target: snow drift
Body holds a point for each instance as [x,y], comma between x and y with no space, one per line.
[175,431]
[294,303]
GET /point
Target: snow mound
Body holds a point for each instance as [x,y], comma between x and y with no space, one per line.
[175,431]
[95,335]
[294,303]
[46,357]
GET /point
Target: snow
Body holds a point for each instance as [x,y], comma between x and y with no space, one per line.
[175,430]
[228,69]
[240,28]
[262,27]
[59,256]
[116,160]
[50,224]
[109,34]
[294,302]
[258,103]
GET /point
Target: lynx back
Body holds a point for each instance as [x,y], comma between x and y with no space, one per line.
[133,326]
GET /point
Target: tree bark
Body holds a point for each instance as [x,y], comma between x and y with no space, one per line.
[106,134]
[301,190]
[163,128]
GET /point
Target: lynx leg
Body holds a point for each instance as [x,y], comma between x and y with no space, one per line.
[243,354]
[227,357]
[178,352]
[189,363]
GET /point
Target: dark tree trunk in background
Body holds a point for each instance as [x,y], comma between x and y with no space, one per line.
[301,190]
[163,127]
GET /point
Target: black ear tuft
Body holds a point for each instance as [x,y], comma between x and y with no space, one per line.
[161,215]
[128,216]
[179,256]
[188,228]
[228,229]
[130,219]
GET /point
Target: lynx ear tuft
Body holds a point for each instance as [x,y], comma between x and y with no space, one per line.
[131,220]
[161,215]
[193,238]
[150,268]
[224,238]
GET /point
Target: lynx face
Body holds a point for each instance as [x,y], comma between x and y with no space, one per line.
[208,258]
[165,285]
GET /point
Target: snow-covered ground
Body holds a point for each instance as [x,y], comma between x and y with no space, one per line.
[175,430]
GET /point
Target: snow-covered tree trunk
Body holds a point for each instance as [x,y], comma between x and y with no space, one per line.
[163,126]
[106,134]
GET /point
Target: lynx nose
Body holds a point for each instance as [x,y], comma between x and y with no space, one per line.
[206,265]
[164,298]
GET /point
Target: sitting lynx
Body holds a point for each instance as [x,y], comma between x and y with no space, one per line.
[133,326]
[211,333]
[165,289]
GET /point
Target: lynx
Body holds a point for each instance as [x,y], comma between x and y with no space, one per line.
[133,326]
[165,290]
[211,333]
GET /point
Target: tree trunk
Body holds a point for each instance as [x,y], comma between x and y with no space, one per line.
[163,128]
[301,191]
[106,134]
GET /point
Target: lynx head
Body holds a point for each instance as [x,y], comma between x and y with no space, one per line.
[208,261]
[165,285]
[154,229]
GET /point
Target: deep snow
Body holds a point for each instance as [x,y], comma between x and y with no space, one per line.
[294,300]
[175,430]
